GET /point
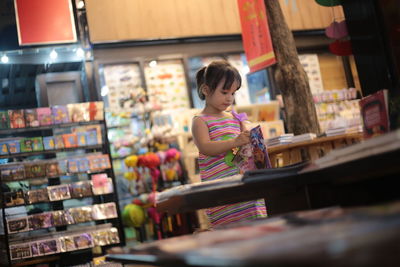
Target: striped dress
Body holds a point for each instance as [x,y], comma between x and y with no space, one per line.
[217,167]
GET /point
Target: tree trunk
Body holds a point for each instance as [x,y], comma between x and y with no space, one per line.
[290,76]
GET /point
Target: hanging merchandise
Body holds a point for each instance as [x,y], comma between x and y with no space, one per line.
[341,48]
[337,30]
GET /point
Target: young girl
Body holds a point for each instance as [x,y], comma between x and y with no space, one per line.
[216,132]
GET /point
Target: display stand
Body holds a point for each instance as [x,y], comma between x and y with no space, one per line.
[359,174]
[63,234]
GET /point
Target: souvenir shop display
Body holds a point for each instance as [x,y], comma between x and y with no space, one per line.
[45,184]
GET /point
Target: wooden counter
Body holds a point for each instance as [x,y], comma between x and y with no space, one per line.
[283,155]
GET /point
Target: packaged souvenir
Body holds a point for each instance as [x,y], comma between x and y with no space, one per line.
[96,111]
[17,118]
[36,195]
[14,198]
[31,144]
[35,170]
[37,143]
[73,166]
[20,251]
[70,140]
[105,162]
[44,116]
[58,192]
[81,138]
[83,240]
[59,218]
[68,243]
[94,137]
[49,143]
[26,145]
[34,249]
[18,172]
[78,112]
[13,146]
[91,137]
[100,238]
[63,166]
[52,169]
[95,162]
[31,118]
[6,174]
[49,246]
[59,141]
[17,225]
[4,120]
[113,236]
[104,211]
[102,184]
[3,147]
[60,114]
[81,189]
[83,165]
[82,214]
[41,220]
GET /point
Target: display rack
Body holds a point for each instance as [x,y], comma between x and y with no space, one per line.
[97,229]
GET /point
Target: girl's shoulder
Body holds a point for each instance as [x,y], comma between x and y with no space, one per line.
[212,116]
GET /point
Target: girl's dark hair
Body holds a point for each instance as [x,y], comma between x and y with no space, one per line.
[212,75]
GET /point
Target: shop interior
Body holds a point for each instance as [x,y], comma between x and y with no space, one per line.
[105,172]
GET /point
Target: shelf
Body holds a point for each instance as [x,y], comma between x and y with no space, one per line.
[33,230]
[27,154]
[63,174]
[49,202]
[49,127]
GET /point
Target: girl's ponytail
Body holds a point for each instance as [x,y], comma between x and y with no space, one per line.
[200,79]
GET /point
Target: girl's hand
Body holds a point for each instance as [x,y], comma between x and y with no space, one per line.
[243,138]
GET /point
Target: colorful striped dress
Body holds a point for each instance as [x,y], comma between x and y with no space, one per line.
[217,167]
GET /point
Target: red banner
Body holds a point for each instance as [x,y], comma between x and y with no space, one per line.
[45,21]
[255,34]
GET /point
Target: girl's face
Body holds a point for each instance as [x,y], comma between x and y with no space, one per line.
[221,98]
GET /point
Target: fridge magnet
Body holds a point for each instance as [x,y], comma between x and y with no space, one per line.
[59,141]
[101,184]
[96,111]
[81,214]
[31,118]
[17,225]
[35,170]
[34,249]
[37,195]
[60,114]
[48,246]
[41,220]
[81,138]
[44,116]
[70,140]
[20,251]
[58,192]
[49,143]
[81,189]
[83,241]
[52,169]
[17,118]
[4,120]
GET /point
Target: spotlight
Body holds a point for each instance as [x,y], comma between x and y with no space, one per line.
[53,54]
[80,52]
[153,63]
[4,59]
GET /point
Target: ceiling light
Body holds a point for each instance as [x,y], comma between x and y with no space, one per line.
[53,54]
[4,59]
[80,52]
[153,63]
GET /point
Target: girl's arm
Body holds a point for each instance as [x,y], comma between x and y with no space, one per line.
[213,148]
